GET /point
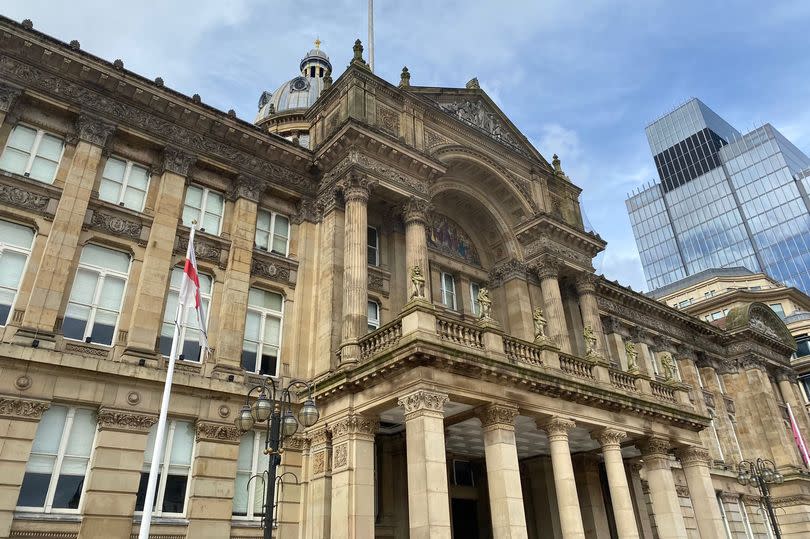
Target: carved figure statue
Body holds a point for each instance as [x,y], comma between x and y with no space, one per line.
[418,283]
[632,356]
[486,304]
[667,366]
[540,323]
[590,341]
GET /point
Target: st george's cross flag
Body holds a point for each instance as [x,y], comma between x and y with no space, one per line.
[190,292]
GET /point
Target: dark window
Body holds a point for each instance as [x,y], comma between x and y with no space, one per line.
[803,349]
[463,473]
[312,71]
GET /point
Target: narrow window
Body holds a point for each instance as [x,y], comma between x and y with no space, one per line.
[373,315]
[189,345]
[713,425]
[54,475]
[749,533]
[272,232]
[204,206]
[124,183]
[15,247]
[373,251]
[260,348]
[777,308]
[95,299]
[175,465]
[33,153]
[448,285]
[476,306]
[248,496]
[723,515]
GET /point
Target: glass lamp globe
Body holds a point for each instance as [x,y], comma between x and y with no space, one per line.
[308,415]
[778,478]
[742,478]
[767,475]
[288,423]
[262,408]
[244,421]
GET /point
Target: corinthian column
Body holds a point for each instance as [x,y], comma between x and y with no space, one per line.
[586,289]
[548,272]
[665,503]
[695,463]
[356,191]
[564,483]
[414,214]
[617,482]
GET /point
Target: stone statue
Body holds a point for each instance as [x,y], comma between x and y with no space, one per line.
[418,283]
[590,341]
[667,366]
[632,356]
[485,302]
[539,325]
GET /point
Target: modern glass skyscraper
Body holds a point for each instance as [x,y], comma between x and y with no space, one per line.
[724,199]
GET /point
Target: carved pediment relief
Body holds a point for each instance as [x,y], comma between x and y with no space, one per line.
[759,318]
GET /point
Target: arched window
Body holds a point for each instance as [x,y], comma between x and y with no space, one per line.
[15,248]
[373,315]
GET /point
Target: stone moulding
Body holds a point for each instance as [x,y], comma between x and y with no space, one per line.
[121,420]
[217,432]
[28,409]
[271,267]
[22,198]
[115,225]
[204,249]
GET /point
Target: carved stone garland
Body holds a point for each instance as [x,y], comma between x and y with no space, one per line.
[125,421]
[22,408]
[217,432]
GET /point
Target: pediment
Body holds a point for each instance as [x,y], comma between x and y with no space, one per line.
[760,318]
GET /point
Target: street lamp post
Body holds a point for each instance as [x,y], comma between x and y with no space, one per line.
[273,407]
[761,473]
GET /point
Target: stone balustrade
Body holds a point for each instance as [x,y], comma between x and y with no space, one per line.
[459,333]
[663,391]
[577,366]
[380,339]
[622,380]
[522,351]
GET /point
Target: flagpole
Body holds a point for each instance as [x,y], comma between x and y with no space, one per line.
[157,453]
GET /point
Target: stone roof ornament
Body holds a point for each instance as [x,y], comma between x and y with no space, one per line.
[358,54]
[555,162]
[404,78]
[472,84]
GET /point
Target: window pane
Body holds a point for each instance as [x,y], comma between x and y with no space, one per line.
[194,197]
[109,191]
[11,269]
[75,322]
[34,489]
[240,494]
[282,227]
[214,203]
[138,178]
[140,498]
[252,326]
[105,258]
[182,443]
[104,327]
[84,286]
[68,490]
[262,239]
[249,352]
[49,430]
[14,234]
[114,170]
[43,170]
[263,220]
[373,311]
[280,245]
[190,215]
[272,330]
[112,290]
[22,138]
[50,147]
[80,441]
[210,223]
[133,198]
[14,161]
[174,496]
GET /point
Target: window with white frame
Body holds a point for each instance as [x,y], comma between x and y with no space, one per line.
[260,348]
[476,306]
[733,424]
[272,232]
[54,475]
[373,315]
[713,425]
[204,206]
[749,533]
[189,345]
[15,248]
[373,252]
[33,153]
[248,495]
[448,289]
[175,465]
[723,515]
[95,299]
[124,183]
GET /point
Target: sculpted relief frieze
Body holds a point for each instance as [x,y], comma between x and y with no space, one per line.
[115,225]
[543,246]
[475,113]
[381,169]
[15,196]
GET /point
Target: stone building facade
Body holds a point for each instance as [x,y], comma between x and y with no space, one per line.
[445,411]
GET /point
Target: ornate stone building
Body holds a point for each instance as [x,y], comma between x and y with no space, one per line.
[450,405]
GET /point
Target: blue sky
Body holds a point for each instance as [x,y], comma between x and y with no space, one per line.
[581,79]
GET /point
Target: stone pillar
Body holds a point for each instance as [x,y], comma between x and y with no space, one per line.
[792,395]
[586,289]
[356,191]
[552,304]
[8,96]
[695,463]
[503,472]
[511,277]
[210,501]
[428,501]
[150,297]
[19,419]
[56,266]
[329,280]
[353,477]
[414,214]
[623,514]
[567,500]
[245,195]
[319,488]
[664,497]
[114,473]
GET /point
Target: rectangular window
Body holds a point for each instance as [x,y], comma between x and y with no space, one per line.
[272,232]
[723,515]
[33,153]
[476,307]
[713,425]
[54,475]
[373,252]
[448,286]
[777,308]
[204,206]
[189,345]
[749,533]
[175,465]
[124,183]
[15,247]
[248,495]
[262,343]
[373,315]
[95,299]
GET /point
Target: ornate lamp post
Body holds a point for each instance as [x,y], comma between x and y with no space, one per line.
[274,407]
[761,473]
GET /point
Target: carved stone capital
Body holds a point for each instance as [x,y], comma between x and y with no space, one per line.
[329,199]
[610,438]
[354,425]
[27,409]
[124,420]
[93,130]
[423,402]
[248,187]
[415,210]
[693,456]
[295,443]
[586,283]
[208,431]
[356,187]
[8,96]
[306,210]
[785,375]
[556,428]
[751,361]
[506,271]
[547,268]
[319,436]
[176,161]
[655,446]
[500,416]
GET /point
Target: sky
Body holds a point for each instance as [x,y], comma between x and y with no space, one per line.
[580,79]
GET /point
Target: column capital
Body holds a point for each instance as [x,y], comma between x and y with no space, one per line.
[415,210]
[507,270]
[693,455]
[209,431]
[423,402]
[547,268]
[18,408]
[354,425]
[8,96]
[609,438]
[175,160]
[93,130]
[497,415]
[586,283]
[655,446]
[356,187]
[319,436]
[306,209]
[125,420]
[249,187]
[556,427]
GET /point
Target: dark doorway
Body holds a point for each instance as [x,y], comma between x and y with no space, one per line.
[465,518]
